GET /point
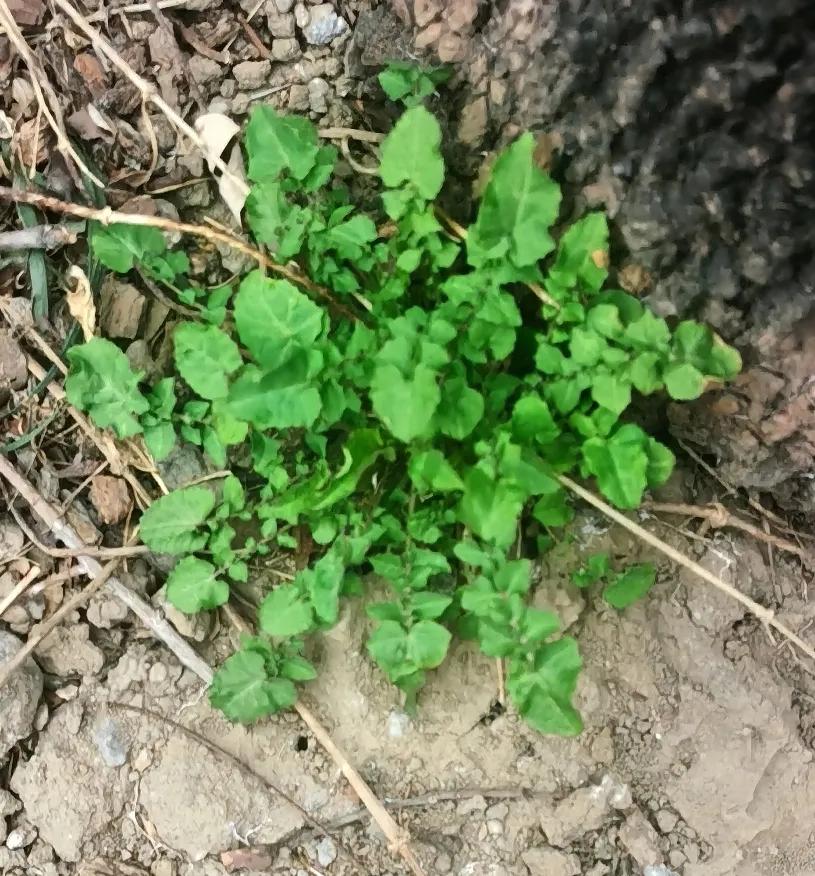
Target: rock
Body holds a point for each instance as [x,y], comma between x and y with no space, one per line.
[121,308]
[640,839]
[67,767]
[11,539]
[326,852]
[285,49]
[183,464]
[550,862]
[19,696]
[324,25]
[473,124]
[9,804]
[68,650]
[497,810]
[283,6]
[666,820]
[318,91]
[281,24]
[250,75]
[203,69]
[111,498]
[110,742]
[659,870]
[424,11]
[21,837]
[495,827]
[583,810]
[298,97]
[471,804]
[105,611]
[301,15]
[13,369]
[188,777]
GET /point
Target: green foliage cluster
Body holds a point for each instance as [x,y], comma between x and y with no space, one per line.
[420,442]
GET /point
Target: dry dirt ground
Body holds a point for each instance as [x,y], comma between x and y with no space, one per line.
[700,727]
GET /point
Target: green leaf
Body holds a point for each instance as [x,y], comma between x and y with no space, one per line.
[410,154]
[620,465]
[160,440]
[405,406]
[171,524]
[274,320]
[193,586]
[533,421]
[460,410]
[243,691]
[280,399]
[285,612]
[205,356]
[684,381]
[660,462]
[234,496]
[101,382]
[430,471]
[427,644]
[630,586]
[644,373]
[323,584]
[297,669]
[119,246]
[586,347]
[276,222]
[352,238]
[553,510]
[543,690]
[519,206]
[490,507]
[611,391]
[275,143]
[596,568]
[649,332]
[429,606]
[387,644]
[582,256]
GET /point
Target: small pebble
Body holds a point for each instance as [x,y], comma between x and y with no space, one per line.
[443,863]
[498,810]
[326,852]
[495,827]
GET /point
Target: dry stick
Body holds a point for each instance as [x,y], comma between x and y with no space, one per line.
[105,553]
[765,615]
[160,627]
[147,90]
[106,216]
[54,118]
[36,237]
[20,588]
[719,516]
[397,836]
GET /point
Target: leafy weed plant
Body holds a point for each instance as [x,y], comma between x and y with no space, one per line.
[418,442]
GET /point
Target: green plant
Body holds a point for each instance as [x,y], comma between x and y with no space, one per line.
[411,84]
[423,441]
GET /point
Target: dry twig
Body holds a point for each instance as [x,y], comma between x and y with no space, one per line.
[106,216]
[36,237]
[718,516]
[765,615]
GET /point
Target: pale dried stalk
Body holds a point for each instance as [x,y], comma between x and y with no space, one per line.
[22,585]
[718,516]
[106,216]
[65,533]
[53,114]
[147,90]
[765,615]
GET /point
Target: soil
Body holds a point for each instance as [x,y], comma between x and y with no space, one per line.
[691,124]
